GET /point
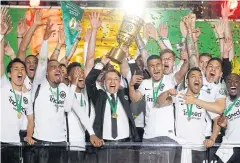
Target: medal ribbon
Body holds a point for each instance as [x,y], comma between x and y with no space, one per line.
[57,94]
[81,99]
[155,94]
[113,107]
[226,111]
[189,109]
[18,103]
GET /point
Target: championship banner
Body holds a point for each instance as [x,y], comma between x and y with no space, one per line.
[71,16]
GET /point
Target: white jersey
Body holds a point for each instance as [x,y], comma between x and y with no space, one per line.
[49,116]
[51,103]
[28,83]
[159,121]
[11,123]
[233,122]
[76,128]
[195,126]
[216,91]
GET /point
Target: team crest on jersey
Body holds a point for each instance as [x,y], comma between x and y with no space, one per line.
[162,86]
[222,91]
[25,100]
[199,107]
[237,104]
[126,97]
[209,91]
[63,94]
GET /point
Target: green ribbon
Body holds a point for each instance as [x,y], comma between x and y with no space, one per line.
[226,111]
[57,94]
[113,107]
[81,99]
[155,94]
[18,103]
[189,109]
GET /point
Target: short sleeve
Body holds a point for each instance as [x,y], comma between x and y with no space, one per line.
[212,115]
[221,93]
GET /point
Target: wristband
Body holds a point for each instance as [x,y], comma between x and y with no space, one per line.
[220,38]
[78,38]
[19,36]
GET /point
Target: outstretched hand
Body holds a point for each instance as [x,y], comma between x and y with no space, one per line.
[48,31]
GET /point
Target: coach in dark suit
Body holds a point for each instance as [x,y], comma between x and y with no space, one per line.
[105,101]
[114,120]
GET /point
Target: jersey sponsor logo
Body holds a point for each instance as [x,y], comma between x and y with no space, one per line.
[222,91]
[233,116]
[195,115]
[53,100]
[63,94]
[15,104]
[149,99]
[25,100]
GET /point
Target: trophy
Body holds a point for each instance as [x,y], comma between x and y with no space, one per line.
[129,28]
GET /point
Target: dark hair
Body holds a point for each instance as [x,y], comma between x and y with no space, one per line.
[72,65]
[15,60]
[205,55]
[215,59]
[167,51]
[31,56]
[193,69]
[153,57]
[62,65]
[113,70]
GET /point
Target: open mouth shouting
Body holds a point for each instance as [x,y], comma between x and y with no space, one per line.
[233,90]
[196,85]
[156,74]
[20,77]
[58,76]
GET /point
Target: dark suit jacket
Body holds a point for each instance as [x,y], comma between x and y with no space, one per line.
[99,99]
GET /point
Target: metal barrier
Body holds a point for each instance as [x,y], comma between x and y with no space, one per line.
[122,152]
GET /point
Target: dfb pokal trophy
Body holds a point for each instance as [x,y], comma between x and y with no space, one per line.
[129,28]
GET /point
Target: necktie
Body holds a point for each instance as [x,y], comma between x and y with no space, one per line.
[114,120]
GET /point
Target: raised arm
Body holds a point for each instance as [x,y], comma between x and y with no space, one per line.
[28,36]
[142,49]
[219,29]
[5,25]
[87,37]
[21,30]
[61,40]
[135,95]
[96,24]
[226,12]
[43,59]
[2,58]
[91,78]
[193,58]
[226,64]
[179,76]
[153,33]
